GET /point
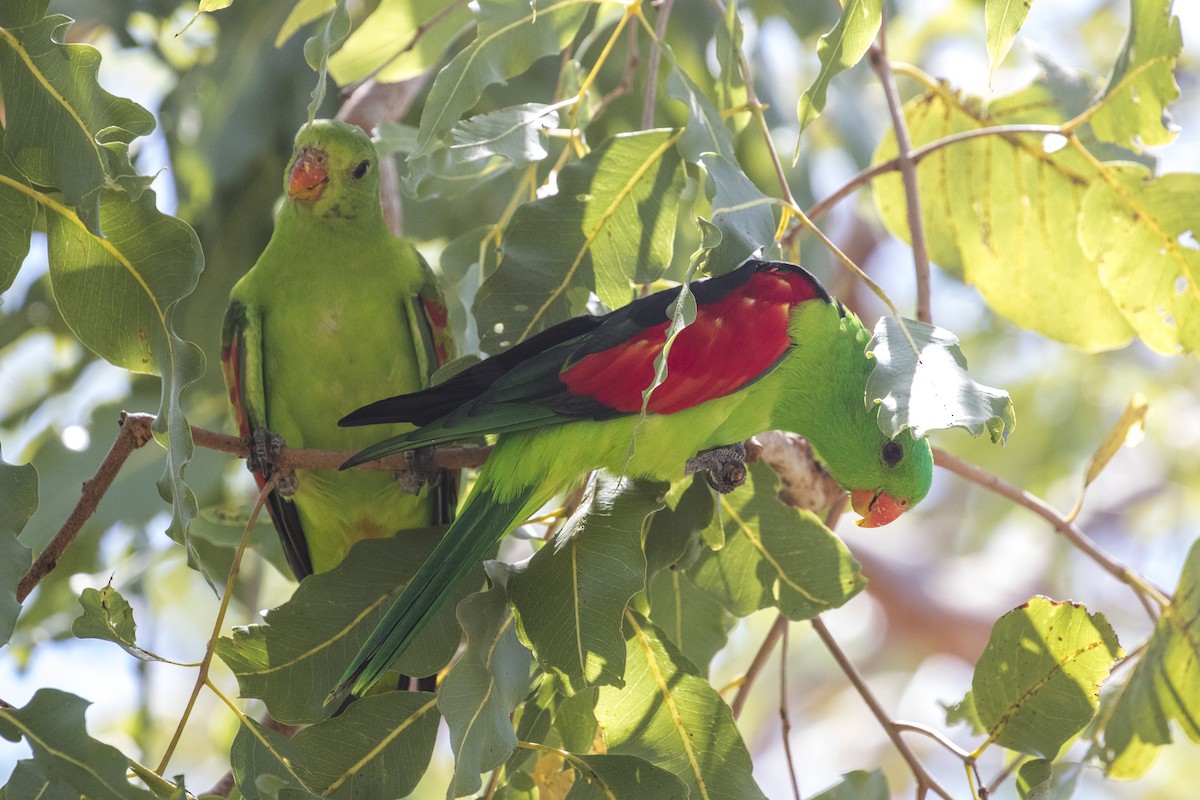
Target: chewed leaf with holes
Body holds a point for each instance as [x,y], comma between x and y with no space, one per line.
[928,388]
[669,715]
[1164,686]
[107,615]
[1038,681]
[1145,235]
[569,597]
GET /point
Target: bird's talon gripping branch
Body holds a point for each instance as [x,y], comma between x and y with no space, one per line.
[265,449]
[725,466]
[420,470]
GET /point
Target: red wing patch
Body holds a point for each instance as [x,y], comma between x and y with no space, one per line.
[438,318]
[732,342]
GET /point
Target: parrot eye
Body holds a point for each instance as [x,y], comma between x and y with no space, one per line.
[361,169]
[892,454]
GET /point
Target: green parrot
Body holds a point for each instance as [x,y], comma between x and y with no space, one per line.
[768,349]
[333,276]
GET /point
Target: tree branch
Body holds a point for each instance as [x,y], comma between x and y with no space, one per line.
[877,55]
[660,31]
[1073,533]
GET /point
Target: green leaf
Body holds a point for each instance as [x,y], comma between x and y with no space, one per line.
[69,133]
[857,785]
[382,740]
[307,641]
[18,501]
[603,777]
[1003,213]
[694,622]
[328,36]
[575,721]
[302,13]
[482,148]
[1164,686]
[108,616]
[16,13]
[1142,231]
[929,388]
[1038,681]
[511,36]
[119,295]
[399,40]
[19,212]
[569,596]
[1133,110]
[838,50]
[775,555]
[612,222]
[52,724]
[669,715]
[1004,18]
[485,685]
[673,534]
[28,780]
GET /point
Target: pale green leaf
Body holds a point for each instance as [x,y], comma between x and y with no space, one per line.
[70,134]
[1004,19]
[399,40]
[838,50]
[575,721]
[570,596]
[302,13]
[326,39]
[485,685]
[1033,778]
[775,555]
[1164,686]
[603,777]
[307,642]
[669,715]
[611,223]
[108,616]
[1003,213]
[510,37]
[1038,681]
[52,724]
[1144,232]
[673,536]
[857,785]
[1133,110]
[28,780]
[383,740]
[18,501]
[928,388]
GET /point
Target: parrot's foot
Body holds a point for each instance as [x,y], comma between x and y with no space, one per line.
[725,466]
[265,449]
[420,470]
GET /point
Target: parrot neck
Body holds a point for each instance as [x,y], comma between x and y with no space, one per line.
[324,223]
[824,380]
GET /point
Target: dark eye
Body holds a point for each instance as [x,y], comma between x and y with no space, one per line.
[892,453]
[361,169]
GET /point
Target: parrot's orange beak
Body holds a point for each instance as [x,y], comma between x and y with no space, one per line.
[876,508]
[309,177]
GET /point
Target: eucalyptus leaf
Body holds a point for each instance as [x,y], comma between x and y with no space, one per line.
[1004,19]
[326,39]
[857,785]
[929,388]
[18,501]
[693,620]
[603,777]
[1037,683]
[838,50]
[108,616]
[19,212]
[400,39]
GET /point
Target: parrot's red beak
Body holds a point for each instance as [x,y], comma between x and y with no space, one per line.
[876,508]
[309,177]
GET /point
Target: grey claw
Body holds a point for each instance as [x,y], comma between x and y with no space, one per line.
[725,466]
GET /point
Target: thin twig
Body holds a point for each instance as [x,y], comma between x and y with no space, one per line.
[135,432]
[660,31]
[937,736]
[211,648]
[1073,533]
[756,666]
[785,721]
[908,171]
[925,782]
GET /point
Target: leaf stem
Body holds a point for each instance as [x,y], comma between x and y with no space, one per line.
[1068,529]
[210,649]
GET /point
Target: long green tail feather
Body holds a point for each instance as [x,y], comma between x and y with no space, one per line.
[481,524]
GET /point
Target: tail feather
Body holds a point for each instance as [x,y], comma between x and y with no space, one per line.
[482,523]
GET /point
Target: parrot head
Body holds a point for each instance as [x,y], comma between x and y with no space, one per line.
[334,172]
[903,471]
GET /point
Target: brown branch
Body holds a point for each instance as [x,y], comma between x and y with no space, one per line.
[135,432]
[1069,530]
[908,171]
[785,722]
[756,666]
[660,31]
[925,782]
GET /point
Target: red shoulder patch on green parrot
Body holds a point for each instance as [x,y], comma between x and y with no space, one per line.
[710,358]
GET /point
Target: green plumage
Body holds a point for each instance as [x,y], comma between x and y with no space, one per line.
[816,390]
[335,313]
